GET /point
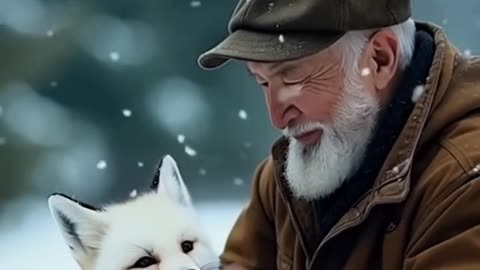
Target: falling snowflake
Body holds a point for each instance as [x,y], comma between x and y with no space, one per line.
[133,194]
[242,114]
[102,164]
[476,169]
[418,92]
[195,4]
[50,33]
[127,112]
[202,172]
[140,164]
[467,52]
[281,38]
[238,181]
[114,56]
[190,151]
[445,21]
[270,6]
[365,72]
[3,141]
[247,144]
[53,84]
[181,138]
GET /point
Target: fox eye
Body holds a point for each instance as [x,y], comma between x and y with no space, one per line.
[187,246]
[144,262]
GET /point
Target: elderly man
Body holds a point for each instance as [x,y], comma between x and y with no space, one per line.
[378,167]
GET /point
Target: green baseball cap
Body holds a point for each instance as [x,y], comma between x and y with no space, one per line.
[281,30]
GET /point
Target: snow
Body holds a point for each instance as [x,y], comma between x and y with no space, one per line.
[3,141]
[50,33]
[242,114]
[270,6]
[181,138]
[195,4]
[467,52]
[177,106]
[476,169]
[114,56]
[365,72]
[53,83]
[190,151]
[418,92]
[133,194]
[238,181]
[140,164]
[202,171]
[127,112]
[102,164]
[445,21]
[281,38]
[247,144]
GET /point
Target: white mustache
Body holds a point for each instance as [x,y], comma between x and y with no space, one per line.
[302,129]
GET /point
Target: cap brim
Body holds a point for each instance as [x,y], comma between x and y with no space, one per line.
[266,47]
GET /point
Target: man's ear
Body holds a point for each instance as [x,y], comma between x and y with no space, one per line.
[168,181]
[382,58]
[82,226]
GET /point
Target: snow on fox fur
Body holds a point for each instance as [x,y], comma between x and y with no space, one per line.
[157,229]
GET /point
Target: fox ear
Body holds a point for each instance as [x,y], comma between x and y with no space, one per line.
[81,225]
[168,181]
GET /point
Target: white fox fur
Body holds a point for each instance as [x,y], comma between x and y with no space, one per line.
[154,230]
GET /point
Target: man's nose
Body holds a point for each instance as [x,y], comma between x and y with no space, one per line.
[280,106]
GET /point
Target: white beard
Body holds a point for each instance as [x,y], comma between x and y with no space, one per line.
[316,171]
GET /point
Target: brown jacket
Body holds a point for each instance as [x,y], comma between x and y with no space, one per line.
[423,211]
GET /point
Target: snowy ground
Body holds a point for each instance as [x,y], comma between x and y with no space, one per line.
[36,244]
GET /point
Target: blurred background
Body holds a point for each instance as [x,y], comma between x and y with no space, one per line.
[94,92]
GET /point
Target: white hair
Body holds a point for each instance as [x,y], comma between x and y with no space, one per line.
[353,43]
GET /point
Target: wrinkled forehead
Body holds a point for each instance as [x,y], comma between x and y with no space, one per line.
[322,58]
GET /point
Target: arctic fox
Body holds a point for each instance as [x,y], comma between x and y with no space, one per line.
[157,229]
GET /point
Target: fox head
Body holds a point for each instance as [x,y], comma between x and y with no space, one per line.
[155,230]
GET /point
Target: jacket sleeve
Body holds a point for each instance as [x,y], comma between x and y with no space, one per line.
[448,236]
[251,242]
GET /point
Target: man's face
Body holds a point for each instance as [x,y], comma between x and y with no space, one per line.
[326,110]
[301,91]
